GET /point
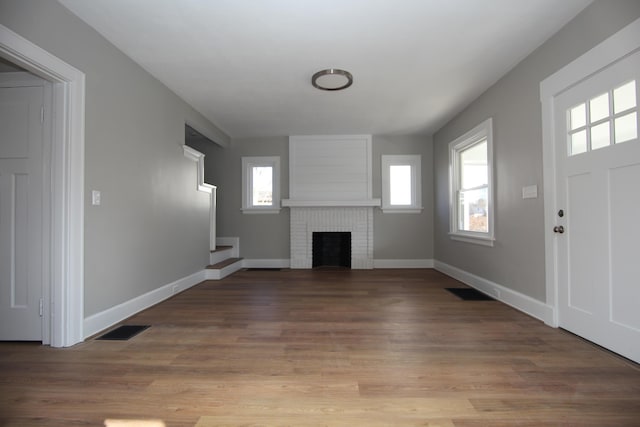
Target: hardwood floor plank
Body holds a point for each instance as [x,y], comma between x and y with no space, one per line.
[331,347]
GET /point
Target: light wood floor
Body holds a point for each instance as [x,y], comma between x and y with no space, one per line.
[337,348]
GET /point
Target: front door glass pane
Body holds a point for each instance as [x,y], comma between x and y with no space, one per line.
[626,128]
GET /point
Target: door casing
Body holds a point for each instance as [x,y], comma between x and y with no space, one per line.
[66,237]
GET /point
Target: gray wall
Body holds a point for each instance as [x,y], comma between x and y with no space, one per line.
[266,236]
[262,236]
[152,226]
[517,260]
[397,235]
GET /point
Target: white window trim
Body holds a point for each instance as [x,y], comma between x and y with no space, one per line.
[482,131]
[415,162]
[248,163]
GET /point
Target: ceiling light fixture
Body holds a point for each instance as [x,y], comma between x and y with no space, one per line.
[332,79]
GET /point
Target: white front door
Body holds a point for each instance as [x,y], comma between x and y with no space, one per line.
[598,207]
[21,213]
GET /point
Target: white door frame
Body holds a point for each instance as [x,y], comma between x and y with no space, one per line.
[67,183]
[616,47]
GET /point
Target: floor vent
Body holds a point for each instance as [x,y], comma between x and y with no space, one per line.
[469,294]
[123,333]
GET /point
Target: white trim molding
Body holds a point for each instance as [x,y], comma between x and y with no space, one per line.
[618,46]
[198,157]
[402,263]
[330,203]
[67,183]
[414,162]
[482,132]
[109,317]
[250,162]
[515,299]
[377,263]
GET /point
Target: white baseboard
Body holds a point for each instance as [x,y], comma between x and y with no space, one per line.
[403,263]
[378,263]
[519,301]
[103,320]
[266,263]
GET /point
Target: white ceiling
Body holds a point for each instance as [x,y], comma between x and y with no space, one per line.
[247,64]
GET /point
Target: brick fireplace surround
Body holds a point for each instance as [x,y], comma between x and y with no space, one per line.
[356,220]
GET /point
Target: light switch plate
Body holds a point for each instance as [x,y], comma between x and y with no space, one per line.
[530,192]
[96,198]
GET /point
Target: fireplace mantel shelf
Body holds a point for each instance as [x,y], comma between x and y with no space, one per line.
[329,203]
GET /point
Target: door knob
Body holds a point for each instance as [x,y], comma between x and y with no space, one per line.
[558,229]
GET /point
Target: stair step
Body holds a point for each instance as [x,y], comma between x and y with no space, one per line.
[222,269]
[220,253]
[223,264]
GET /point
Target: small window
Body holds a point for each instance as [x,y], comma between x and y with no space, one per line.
[604,120]
[401,184]
[261,184]
[471,195]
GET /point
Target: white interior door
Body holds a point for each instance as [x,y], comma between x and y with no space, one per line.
[21,213]
[598,191]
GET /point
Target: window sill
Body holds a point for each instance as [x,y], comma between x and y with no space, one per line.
[477,240]
[409,210]
[260,211]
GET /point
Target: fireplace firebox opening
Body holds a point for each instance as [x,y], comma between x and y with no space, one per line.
[331,249]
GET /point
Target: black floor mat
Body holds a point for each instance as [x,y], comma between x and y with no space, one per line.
[470,294]
[123,333]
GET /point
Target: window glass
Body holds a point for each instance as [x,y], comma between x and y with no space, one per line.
[579,142]
[626,128]
[599,107]
[400,184]
[473,210]
[578,116]
[262,194]
[474,165]
[600,136]
[624,97]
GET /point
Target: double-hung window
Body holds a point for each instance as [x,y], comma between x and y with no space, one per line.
[401,183]
[261,184]
[471,190]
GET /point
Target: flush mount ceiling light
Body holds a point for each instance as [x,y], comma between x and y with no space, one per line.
[332,79]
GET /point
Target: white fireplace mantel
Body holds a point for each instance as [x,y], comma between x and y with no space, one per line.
[330,203]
